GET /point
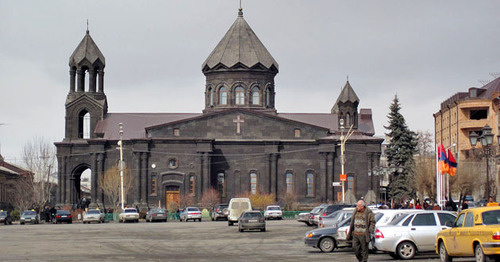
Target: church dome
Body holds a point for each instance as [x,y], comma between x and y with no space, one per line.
[87,52]
[240,47]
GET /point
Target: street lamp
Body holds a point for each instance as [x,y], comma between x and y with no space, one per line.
[120,143]
[486,140]
[343,139]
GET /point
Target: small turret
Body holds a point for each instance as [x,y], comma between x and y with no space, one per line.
[346,106]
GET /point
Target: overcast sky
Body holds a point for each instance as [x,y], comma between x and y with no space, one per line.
[423,51]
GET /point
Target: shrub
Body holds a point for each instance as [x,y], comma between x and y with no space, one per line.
[187,200]
[289,201]
[210,198]
[15,214]
[172,207]
[259,200]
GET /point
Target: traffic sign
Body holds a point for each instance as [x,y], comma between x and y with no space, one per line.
[336,183]
[343,177]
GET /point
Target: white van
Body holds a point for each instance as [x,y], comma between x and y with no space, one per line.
[236,207]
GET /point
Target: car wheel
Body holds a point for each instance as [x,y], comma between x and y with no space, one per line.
[240,229]
[230,223]
[443,254]
[480,256]
[308,224]
[21,223]
[263,229]
[326,244]
[199,220]
[406,250]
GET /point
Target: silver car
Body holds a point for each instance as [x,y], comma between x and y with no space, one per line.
[412,233]
[190,213]
[29,216]
[333,219]
[93,215]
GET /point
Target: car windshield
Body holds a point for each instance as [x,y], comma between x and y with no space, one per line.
[346,222]
[252,215]
[316,210]
[273,208]
[157,211]
[29,213]
[335,215]
[93,212]
[130,210]
[398,219]
[64,212]
[378,216]
[491,217]
[193,209]
[3,213]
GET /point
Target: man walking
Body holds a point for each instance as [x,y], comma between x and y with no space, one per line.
[362,227]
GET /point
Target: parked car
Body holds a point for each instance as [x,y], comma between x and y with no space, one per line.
[93,215]
[325,238]
[334,218]
[252,220]
[63,216]
[412,233]
[475,232]
[236,207]
[273,212]
[382,218]
[315,213]
[29,216]
[219,211]
[5,218]
[304,216]
[129,214]
[156,214]
[190,213]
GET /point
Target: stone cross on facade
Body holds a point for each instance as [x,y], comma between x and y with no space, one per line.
[238,122]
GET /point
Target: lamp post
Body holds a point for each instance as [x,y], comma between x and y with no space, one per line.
[486,140]
[343,139]
[120,143]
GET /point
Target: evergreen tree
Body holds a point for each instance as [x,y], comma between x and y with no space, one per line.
[402,146]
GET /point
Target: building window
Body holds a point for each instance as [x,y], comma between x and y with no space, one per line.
[255,96]
[268,97]
[191,185]
[479,114]
[211,97]
[289,182]
[173,163]
[253,183]
[310,184]
[221,184]
[350,182]
[297,132]
[239,95]
[153,184]
[176,132]
[223,96]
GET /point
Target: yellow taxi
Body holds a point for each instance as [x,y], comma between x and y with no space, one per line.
[475,232]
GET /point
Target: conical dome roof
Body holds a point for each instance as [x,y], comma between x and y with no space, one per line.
[240,45]
[347,95]
[87,50]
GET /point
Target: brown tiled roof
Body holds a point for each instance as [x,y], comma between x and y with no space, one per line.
[492,89]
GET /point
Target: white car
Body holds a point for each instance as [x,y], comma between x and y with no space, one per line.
[129,214]
[93,215]
[273,212]
[412,233]
[190,213]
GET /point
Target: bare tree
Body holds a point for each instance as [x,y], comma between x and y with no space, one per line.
[425,163]
[187,200]
[110,183]
[466,181]
[425,143]
[40,159]
[210,198]
[23,199]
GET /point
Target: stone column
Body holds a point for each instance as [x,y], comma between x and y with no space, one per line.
[81,80]
[206,171]
[323,174]
[274,174]
[137,176]
[72,74]
[99,172]
[329,176]
[92,80]
[94,170]
[144,177]
[100,72]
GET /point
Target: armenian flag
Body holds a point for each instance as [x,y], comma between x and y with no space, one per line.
[443,165]
[452,164]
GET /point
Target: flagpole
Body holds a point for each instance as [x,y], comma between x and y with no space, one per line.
[438,187]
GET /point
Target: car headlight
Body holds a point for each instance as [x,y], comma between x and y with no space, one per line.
[310,235]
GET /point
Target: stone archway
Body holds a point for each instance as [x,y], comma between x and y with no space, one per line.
[77,193]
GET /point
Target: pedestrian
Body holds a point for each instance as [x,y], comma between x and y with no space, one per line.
[491,202]
[361,229]
[465,205]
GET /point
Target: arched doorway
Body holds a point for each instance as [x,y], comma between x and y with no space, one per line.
[172,196]
[81,186]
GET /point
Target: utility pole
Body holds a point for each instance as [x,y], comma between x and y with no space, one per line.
[343,139]
[120,143]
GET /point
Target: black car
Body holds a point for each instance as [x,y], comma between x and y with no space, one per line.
[219,212]
[5,218]
[63,216]
[324,238]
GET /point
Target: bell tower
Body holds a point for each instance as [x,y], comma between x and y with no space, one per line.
[86,102]
[346,107]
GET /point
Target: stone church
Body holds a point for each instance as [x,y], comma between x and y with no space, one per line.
[239,143]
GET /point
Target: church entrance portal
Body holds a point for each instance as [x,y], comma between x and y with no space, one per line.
[172,195]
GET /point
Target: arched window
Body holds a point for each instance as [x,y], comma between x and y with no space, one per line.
[221,184]
[268,96]
[191,185]
[253,183]
[223,96]
[210,97]
[239,93]
[347,120]
[289,182]
[310,184]
[84,125]
[255,96]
